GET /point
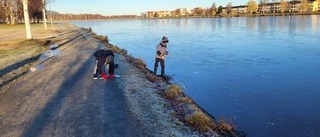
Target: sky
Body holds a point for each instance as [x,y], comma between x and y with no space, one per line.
[131,7]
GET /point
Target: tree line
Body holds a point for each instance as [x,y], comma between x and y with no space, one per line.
[251,7]
[11,12]
[59,17]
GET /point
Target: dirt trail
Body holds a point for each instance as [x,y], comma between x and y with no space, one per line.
[62,99]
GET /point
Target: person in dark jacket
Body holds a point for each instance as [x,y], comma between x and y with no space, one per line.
[104,57]
[161,51]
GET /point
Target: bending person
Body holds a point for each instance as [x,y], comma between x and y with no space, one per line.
[104,57]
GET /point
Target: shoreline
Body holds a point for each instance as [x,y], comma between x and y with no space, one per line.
[186,109]
[204,17]
[148,97]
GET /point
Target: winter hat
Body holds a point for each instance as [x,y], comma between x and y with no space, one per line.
[164,39]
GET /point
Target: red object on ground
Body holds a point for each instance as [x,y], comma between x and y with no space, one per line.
[111,76]
[104,76]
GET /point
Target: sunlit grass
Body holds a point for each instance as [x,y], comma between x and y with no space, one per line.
[223,125]
[200,122]
[21,26]
[103,38]
[139,63]
[173,91]
[186,100]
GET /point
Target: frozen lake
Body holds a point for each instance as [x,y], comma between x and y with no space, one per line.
[262,72]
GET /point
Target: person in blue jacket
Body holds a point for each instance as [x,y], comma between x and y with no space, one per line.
[104,57]
[161,51]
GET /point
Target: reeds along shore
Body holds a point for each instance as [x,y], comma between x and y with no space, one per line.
[185,108]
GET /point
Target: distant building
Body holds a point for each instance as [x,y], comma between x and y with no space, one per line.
[163,13]
[239,9]
[273,7]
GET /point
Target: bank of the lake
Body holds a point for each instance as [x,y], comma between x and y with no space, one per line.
[257,71]
[148,101]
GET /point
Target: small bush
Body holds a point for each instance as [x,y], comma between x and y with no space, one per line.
[151,77]
[139,63]
[186,100]
[123,52]
[116,49]
[102,38]
[223,125]
[89,30]
[173,91]
[129,58]
[200,122]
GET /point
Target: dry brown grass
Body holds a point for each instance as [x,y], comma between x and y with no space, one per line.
[11,34]
[200,122]
[223,125]
[173,91]
[102,38]
[151,77]
[99,37]
[17,54]
[186,100]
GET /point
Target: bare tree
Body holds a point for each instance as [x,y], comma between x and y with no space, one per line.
[284,6]
[35,10]
[143,15]
[199,11]
[208,12]
[2,13]
[252,6]
[26,18]
[13,9]
[177,13]
[44,14]
[214,9]
[304,6]
[229,8]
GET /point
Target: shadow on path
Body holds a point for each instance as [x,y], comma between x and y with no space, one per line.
[44,117]
[85,107]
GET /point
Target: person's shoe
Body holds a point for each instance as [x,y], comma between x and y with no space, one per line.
[95,76]
[111,76]
[104,76]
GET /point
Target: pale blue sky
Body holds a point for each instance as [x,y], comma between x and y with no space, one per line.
[132,7]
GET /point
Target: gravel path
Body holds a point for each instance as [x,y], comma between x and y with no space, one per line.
[62,99]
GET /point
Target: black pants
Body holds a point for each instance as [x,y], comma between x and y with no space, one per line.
[111,68]
[156,66]
[98,67]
